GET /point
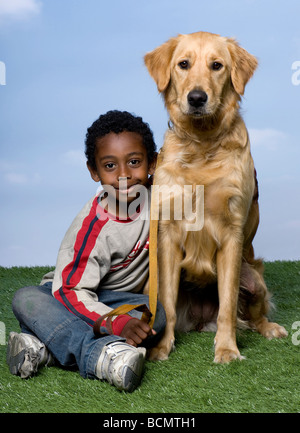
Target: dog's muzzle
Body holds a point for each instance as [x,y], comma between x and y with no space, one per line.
[197,98]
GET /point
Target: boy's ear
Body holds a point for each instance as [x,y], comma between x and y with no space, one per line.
[93,173]
[152,166]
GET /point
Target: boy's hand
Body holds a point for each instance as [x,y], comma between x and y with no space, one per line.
[136,331]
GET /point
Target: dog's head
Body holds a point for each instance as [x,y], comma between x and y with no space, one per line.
[197,72]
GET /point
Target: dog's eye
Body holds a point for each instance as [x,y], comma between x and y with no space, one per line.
[216,66]
[184,64]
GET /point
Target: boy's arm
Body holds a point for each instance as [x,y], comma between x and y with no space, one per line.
[83,301]
[84,304]
[82,262]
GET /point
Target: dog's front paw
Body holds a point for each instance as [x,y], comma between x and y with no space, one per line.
[161,352]
[225,354]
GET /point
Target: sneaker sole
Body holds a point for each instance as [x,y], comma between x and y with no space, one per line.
[132,374]
[15,357]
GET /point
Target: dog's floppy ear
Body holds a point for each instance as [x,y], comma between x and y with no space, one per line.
[243,66]
[158,63]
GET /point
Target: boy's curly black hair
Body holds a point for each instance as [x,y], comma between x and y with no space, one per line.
[117,122]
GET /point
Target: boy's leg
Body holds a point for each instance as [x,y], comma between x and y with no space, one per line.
[114,298]
[69,339]
[26,354]
[72,341]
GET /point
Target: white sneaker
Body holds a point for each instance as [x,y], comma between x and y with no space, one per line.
[25,354]
[121,365]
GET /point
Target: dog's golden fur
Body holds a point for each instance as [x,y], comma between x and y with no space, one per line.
[208,145]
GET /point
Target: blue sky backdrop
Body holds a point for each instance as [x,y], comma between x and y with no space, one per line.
[66,62]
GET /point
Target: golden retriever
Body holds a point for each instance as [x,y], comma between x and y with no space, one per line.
[202,77]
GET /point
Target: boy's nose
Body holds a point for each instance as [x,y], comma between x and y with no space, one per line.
[123,183]
[124,173]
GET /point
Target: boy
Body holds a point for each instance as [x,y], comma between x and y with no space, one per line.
[102,263]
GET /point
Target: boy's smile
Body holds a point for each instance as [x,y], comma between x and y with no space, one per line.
[122,163]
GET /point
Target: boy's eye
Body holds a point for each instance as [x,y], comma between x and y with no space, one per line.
[109,165]
[134,162]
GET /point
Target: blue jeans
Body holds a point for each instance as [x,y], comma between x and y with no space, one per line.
[70,339]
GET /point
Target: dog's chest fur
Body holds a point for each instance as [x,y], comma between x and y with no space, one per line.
[228,192]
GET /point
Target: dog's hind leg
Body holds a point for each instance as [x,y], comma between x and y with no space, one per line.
[260,305]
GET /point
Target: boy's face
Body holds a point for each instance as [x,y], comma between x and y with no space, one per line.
[121,159]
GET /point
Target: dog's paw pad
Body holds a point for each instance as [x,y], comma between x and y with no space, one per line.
[158,354]
[227,355]
[273,330]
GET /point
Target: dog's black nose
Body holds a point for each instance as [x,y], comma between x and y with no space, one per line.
[197,98]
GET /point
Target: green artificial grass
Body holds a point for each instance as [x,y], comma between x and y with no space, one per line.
[188,382]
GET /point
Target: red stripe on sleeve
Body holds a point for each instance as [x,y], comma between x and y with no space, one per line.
[73,272]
